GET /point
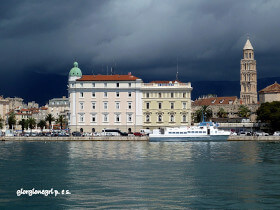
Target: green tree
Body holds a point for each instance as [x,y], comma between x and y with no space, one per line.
[42,124]
[244,111]
[270,113]
[222,113]
[23,124]
[31,123]
[1,122]
[207,112]
[61,120]
[12,120]
[50,118]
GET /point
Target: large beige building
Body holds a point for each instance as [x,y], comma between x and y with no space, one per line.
[248,75]
[270,93]
[104,101]
[166,104]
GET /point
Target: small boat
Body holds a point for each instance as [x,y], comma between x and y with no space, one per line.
[205,131]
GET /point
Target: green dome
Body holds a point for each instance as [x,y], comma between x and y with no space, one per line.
[75,71]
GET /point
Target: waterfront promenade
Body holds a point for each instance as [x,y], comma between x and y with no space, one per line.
[125,138]
[254,138]
[75,138]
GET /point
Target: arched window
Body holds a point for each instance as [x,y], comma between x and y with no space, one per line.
[93,130]
[147,118]
[184,118]
[81,130]
[172,118]
[160,118]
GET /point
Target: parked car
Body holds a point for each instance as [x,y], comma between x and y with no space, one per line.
[243,133]
[146,131]
[76,133]
[26,134]
[137,134]
[260,133]
[276,133]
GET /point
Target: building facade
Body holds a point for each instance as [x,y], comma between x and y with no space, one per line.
[229,104]
[4,108]
[59,106]
[166,104]
[104,101]
[15,103]
[270,93]
[248,75]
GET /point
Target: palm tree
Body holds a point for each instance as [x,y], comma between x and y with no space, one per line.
[222,113]
[61,121]
[42,124]
[31,123]
[207,114]
[1,122]
[12,120]
[49,118]
[244,111]
[23,124]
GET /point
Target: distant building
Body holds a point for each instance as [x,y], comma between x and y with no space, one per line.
[15,102]
[230,104]
[4,107]
[166,104]
[270,93]
[32,104]
[59,106]
[104,101]
[248,75]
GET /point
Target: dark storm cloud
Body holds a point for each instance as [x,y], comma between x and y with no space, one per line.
[145,37]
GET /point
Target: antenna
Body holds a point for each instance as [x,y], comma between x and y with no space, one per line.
[177,73]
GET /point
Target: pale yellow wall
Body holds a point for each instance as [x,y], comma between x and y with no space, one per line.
[154,99]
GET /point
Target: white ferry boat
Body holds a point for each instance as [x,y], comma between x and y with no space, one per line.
[207,131]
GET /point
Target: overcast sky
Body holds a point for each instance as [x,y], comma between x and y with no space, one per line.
[145,37]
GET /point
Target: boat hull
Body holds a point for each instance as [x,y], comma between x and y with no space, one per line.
[188,138]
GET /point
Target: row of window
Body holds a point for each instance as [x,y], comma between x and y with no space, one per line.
[105,118]
[104,84]
[59,103]
[187,132]
[105,105]
[161,95]
[171,118]
[105,94]
[172,105]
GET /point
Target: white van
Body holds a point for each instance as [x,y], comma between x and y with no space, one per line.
[145,131]
[110,132]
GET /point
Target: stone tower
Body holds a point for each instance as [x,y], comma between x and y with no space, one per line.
[248,75]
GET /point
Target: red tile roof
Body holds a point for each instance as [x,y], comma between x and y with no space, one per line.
[274,88]
[214,101]
[100,77]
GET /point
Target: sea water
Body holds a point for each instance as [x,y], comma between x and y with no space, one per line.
[132,175]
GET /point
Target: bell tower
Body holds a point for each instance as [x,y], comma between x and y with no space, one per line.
[248,75]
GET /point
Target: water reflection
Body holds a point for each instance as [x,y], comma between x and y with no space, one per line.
[143,174]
